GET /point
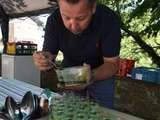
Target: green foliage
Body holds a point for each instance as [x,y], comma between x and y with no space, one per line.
[144,6]
[142,17]
[130,50]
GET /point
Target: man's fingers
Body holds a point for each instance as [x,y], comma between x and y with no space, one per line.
[43,60]
[44,67]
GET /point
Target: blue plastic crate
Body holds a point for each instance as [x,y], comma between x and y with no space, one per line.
[146,74]
[158,76]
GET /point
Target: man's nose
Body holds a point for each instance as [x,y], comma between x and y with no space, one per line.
[73,24]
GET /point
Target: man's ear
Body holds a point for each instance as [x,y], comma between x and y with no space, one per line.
[94,7]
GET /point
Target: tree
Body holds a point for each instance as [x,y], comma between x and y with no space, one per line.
[140,19]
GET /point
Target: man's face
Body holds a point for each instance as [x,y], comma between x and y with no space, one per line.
[76,17]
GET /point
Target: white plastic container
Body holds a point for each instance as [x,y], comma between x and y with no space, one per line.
[72,75]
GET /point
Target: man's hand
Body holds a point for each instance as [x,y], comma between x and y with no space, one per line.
[43,60]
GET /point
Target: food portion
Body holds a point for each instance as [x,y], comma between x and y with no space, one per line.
[72,76]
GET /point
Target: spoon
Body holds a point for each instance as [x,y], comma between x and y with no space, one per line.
[27,106]
[12,108]
[3,116]
[36,101]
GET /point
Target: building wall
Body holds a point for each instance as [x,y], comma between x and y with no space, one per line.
[25,30]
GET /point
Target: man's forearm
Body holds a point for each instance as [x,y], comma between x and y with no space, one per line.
[105,71]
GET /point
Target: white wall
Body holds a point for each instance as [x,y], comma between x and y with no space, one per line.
[25,29]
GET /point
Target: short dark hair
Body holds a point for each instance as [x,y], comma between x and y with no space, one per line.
[77,1]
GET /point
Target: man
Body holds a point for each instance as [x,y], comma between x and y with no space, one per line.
[86,33]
